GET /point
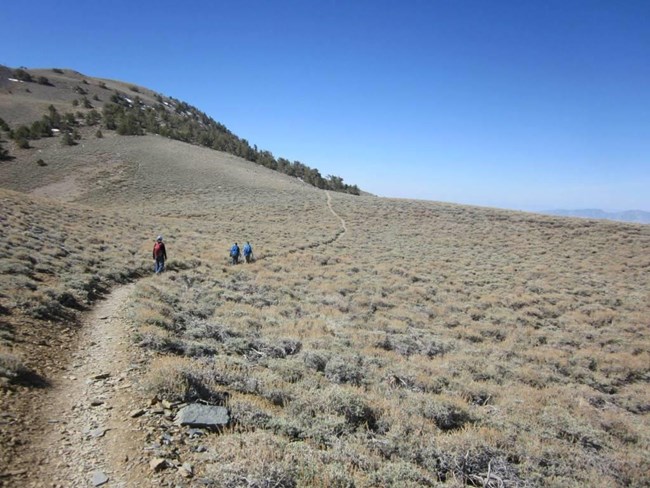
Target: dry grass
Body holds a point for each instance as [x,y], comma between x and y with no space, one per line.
[428,345]
[407,354]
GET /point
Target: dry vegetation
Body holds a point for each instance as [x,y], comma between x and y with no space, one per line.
[430,344]
[427,345]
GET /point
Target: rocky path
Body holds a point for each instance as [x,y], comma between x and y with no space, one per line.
[88,432]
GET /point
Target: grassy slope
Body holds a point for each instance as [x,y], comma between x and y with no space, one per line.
[430,343]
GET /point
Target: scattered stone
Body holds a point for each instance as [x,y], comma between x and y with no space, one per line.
[154,400]
[99,478]
[153,447]
[166,405]
[96,403]
[186,470]
[198,415]
[98,432]
[158,410]
[137,413]
[195,432]
[158,464]
[101,376]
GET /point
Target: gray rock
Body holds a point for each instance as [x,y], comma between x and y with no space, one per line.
[158,464]
[99,432]
[198,415]
[137,413]
[186,470]
[195,432]
[99,478]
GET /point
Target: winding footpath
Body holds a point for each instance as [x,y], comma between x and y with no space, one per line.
[343,226]
[88,432]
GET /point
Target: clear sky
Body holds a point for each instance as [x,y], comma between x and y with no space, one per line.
[517,104]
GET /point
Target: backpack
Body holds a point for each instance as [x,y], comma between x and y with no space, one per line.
[247,250]
[158,249]
[234,251]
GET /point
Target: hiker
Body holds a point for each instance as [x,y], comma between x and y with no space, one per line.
[159,255]
[248,252]
[234,254]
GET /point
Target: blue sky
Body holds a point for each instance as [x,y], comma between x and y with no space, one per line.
[515,104]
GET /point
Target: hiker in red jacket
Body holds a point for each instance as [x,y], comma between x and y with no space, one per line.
[159,255]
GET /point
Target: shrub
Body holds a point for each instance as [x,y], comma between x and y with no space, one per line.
[401,474]
[4,154]
[345,370]
[353,407]
[99,134]
[316,361]
[445,415]
[23,144]
[11,366]
[22,132]
[39,129]
[42,80]
[67,139]
[58,70]
[93,117]
[40,162]
[22,75]
[183,380]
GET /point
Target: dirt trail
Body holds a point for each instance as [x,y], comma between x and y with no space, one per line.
[329,204]
[337,235]
[87,432]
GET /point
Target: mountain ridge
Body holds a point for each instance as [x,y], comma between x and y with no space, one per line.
[32,101]
[632,216]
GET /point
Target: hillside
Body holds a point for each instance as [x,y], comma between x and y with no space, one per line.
[43,103]
[374,342]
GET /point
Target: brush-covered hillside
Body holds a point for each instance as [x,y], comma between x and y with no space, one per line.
[373,342]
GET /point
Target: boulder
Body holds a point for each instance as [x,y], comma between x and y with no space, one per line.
[199,415]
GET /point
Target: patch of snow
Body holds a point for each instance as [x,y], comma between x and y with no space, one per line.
[15,80]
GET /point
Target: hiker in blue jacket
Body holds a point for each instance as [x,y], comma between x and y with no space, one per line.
[234,253]
[248,252]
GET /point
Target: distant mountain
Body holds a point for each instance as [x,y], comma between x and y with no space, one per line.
[635,216]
